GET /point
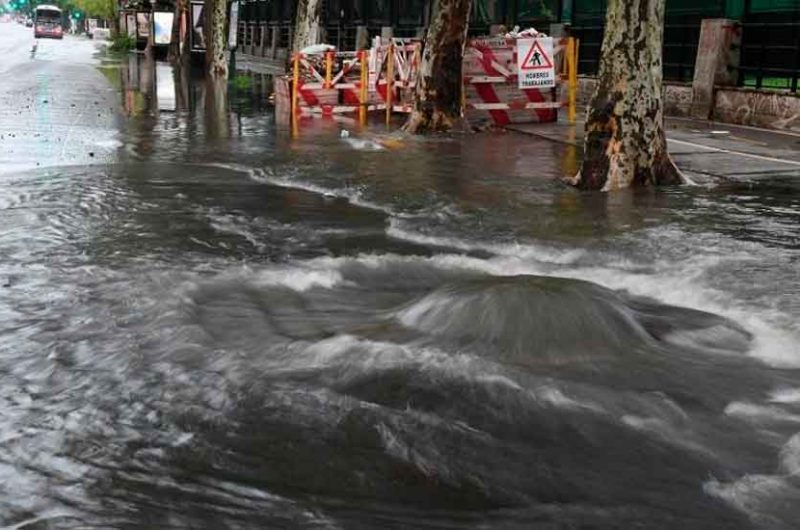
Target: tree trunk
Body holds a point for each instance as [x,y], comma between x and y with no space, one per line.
[306,25]
[624,141]
[215,101]
[113,26]
[437,96]
[177,47]
[214,24]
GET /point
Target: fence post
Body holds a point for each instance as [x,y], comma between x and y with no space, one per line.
[572,74]
[362,110]
[328,69]
[389,82]
[295,82]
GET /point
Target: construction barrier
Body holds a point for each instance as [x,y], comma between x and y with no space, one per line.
[492,89]
[330,83]
[383,78]
[396,74]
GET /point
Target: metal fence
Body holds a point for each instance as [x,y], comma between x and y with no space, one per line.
[683,20]
[770,54]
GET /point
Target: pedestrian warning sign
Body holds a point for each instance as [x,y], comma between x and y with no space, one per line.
[535,63]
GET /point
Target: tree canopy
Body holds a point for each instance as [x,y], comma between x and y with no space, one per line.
[95,8]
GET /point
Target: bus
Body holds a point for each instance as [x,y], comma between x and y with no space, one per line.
[47,22]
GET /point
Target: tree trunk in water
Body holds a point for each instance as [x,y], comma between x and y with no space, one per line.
[215,100]
[214,26]
[178,49]
[437,96]
[624,141]
[306,26]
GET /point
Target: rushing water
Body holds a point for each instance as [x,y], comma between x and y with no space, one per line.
[227,327]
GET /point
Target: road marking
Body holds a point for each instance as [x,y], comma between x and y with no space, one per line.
[737,153]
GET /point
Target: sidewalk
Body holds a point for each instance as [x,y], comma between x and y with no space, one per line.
[707,148]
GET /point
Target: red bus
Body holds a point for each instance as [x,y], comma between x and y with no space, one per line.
[47,22]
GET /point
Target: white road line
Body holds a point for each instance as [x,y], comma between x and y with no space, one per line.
[737,153]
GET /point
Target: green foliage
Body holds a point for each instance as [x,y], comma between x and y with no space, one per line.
[122,43]
[241,82]
[96,8]
[777,83]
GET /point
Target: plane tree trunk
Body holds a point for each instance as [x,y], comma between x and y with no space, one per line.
[214,24]
[307,24]
[179,45]
[624,142]
[437,95]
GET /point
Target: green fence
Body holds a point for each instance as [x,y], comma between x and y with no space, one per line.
[681,33]
[770,40]
[770,55]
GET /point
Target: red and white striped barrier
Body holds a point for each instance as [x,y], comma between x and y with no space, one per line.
[491,85]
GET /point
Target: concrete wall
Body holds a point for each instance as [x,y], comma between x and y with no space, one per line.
[759,108]
[742,106]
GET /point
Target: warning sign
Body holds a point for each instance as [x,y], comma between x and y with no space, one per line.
[535,63]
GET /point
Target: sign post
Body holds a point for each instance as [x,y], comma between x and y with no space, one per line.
[535,64]
[233,33]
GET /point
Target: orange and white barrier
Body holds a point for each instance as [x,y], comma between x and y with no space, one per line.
[396,74]
[497,86]
[339,85]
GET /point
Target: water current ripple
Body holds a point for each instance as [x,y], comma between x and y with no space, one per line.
[255,331]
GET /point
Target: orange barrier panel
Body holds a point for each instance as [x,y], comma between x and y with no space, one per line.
[397,74]
[327,84]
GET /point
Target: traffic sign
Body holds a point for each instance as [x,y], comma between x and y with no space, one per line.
[535,64]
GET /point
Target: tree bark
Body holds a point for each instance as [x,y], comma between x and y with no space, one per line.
[307,24]
[437,95]
[177,48]
[624,141]
[215,101]
[216,12]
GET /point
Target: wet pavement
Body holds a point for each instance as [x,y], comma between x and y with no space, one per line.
[704,149]
[213,323]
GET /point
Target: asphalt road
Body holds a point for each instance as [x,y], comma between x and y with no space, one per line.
[56,106]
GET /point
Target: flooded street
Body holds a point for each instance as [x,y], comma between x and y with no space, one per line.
[209,322]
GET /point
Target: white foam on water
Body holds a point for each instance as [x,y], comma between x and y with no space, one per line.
[790,456]
[517,250]
[432,465]
[785,395]
[765,498]
[288,180]
[760,413]
[369,355]
[230,224]
[749,492]
[299,279]
[555,396]
[360,144]
[496,379]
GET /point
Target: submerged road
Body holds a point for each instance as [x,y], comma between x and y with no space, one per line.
[210,323]
[56,108]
